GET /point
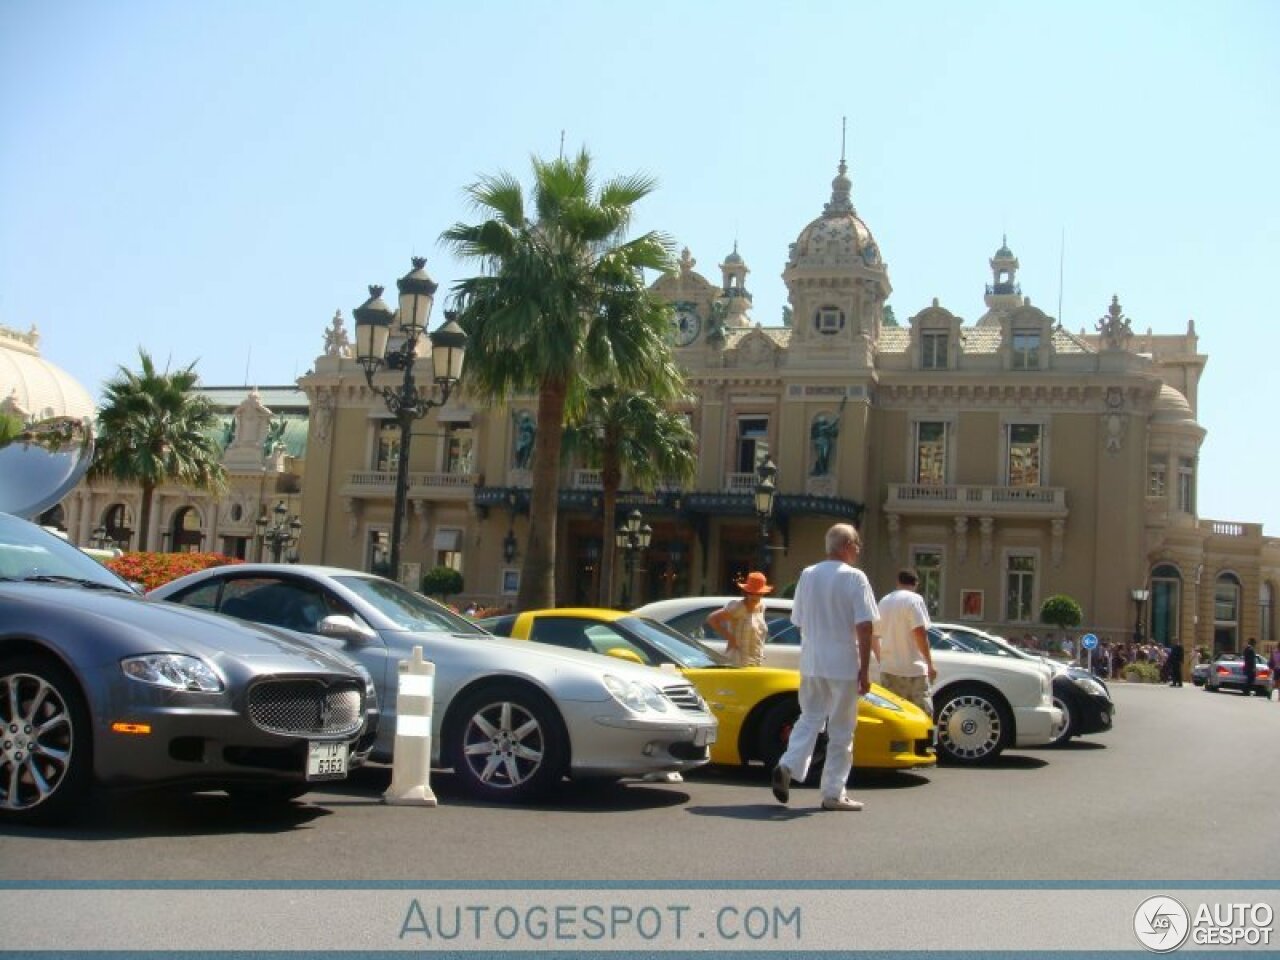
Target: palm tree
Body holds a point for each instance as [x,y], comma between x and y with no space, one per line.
[636,434]
[561,304]
[152,430]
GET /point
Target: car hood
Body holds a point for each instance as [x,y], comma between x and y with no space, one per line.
[983,662]
[527,656]
[160,627]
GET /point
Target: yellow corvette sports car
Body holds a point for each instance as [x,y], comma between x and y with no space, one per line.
[756,706]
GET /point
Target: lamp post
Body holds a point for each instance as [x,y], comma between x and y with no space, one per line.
[373,351]
[1140,596]
[631,538]
[278,534]
[764,497]
[509,543]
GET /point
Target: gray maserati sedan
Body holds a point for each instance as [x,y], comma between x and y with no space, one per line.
[102,686]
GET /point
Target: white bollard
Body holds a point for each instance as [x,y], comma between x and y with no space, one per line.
[411,762]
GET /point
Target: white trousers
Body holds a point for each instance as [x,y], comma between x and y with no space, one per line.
[835,704]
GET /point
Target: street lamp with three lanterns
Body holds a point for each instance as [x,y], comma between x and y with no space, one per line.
[765,493]
[632,537]
[405,402]
[279,534]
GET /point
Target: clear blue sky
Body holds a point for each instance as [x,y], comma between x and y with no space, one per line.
[198,177]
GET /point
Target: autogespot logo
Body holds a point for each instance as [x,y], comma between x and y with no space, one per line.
[1161,924]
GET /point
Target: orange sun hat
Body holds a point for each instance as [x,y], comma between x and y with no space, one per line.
[756,583]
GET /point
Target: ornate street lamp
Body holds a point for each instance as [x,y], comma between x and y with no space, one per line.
[448,347]
[279,534]
[1140,596]
[509,544]
[631,538]
[764,496]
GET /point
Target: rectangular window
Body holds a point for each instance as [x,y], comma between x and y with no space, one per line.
[1020,587]
[931,453]
[1024,454]
[1226,602]
[1186,485]
[933,351]
[1026,350]
[458,455]
[379,552]
[1156,480]
[753,442]
[387,457]
[928,566]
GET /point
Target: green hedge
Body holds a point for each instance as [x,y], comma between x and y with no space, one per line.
[1141,672]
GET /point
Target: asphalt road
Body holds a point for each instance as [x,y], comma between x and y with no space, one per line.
[1186,787]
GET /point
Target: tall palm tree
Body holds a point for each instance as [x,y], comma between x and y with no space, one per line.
[635,434]
[561,304]
[152,430]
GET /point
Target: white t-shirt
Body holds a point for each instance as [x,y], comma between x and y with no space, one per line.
[831,599]
[900,613]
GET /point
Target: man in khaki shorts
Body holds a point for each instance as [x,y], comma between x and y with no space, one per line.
[906,662]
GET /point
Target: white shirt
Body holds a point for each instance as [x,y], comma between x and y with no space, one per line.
[831,599]
[900,613]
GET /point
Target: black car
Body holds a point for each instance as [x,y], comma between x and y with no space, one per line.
[1084,699]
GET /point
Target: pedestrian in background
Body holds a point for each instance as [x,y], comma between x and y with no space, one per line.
[1273,662]
[834,609]
[1250,666]
[906,662]
[741,622]
[1175,664]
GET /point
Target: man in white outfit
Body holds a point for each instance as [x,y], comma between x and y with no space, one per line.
[834,609]
[906,662]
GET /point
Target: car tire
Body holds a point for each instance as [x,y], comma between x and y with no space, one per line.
[1067,730]
[507,743]
[774,732]
[974,724]
[46,744]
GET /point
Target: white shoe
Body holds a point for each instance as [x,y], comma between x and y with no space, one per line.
[672,777]
[841,803]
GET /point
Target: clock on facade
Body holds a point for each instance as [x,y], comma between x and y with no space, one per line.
[687,325]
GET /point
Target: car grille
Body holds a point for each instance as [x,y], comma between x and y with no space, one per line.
[306,707]
[685,697]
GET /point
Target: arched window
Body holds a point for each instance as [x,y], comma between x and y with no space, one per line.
[119,525]
[1166,597]
[185,534]
[1226,613]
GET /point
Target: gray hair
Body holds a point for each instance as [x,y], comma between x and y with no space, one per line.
[841,534]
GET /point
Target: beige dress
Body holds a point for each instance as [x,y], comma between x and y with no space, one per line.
[749,631]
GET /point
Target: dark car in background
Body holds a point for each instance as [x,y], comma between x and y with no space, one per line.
[1084,699]
[99,685]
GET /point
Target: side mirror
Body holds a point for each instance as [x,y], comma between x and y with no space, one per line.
[622,653]
[342,627]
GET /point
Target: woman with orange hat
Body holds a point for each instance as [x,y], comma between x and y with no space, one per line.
[742,624]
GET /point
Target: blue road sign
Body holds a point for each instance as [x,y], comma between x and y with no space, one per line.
[1088,641]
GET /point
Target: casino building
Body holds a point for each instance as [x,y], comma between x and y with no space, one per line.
[1007,459]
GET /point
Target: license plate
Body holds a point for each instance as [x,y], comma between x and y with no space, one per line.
[705,736]
[326,761]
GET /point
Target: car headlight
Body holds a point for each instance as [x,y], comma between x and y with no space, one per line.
[640,697]
[175,671]
[884,703]
[1090,686]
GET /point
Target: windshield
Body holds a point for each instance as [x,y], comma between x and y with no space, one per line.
[28,551]
[664,645]
[406,609]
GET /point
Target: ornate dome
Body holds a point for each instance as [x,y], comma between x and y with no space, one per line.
[34,387]
[1172,407]
[837,238]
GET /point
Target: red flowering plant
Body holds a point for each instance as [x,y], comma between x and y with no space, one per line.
[154,569]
